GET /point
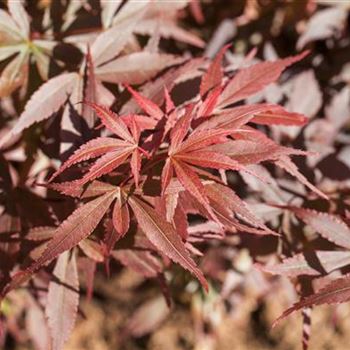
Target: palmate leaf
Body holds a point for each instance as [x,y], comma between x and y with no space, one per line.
[113,152]
[121,216]
[15,74]
[213,76]
[106,164]
[143,121]
[40,233]
[112,41]
[313,263]
[181,128]
[104,49]
[254,151]
[329,226]
[119,225]
[92,250]
[164,237]
[147,105]
[136,67]
[62,300]
[77,190]
[228,199]
[154,89]
[90,90]
[18,41]
[115,66]
[251,80]
[167,29]
[208,106]
[264,113]
[148,317]
[167,174]
[169,103]
[199,140]
[36,325]
[279,116]
[192,183]
[337,291]
[226,205]
[74,229]
[116,228]
[9,26]
[143,263]
[20,16]
[286,164]
[111,121]
[209,159]
[54,93]
[195,151]
[91,149]
[278,154]
[324,24]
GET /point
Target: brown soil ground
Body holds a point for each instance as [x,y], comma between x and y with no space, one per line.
[105,320]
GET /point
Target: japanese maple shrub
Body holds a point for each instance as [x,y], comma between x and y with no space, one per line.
[156,167]
[142,172]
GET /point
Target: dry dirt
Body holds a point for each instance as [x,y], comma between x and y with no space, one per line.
[107,315]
